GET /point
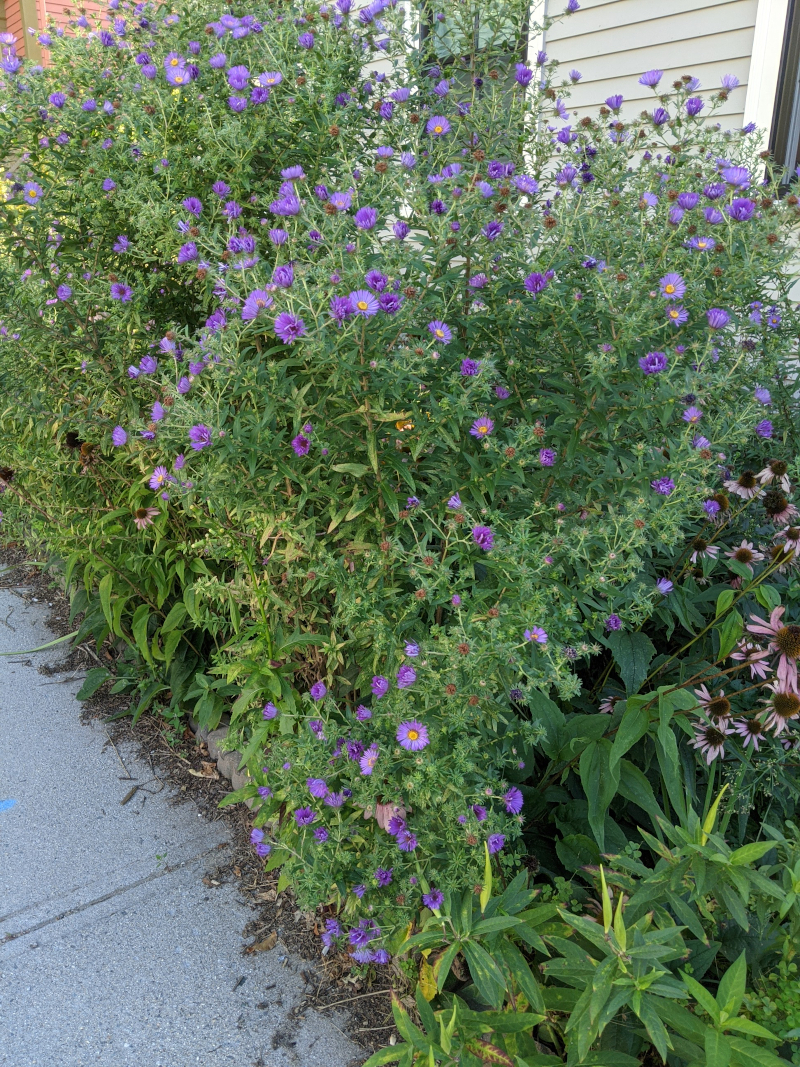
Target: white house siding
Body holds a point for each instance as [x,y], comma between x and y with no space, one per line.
[612,42]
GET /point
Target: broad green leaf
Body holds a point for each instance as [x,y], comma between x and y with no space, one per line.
[656,1030]
[171,644]
[632,653]
[92,682]
[768,596]
[718,1051]
[177,613]
[702,996]
[632,728]
[729,633]
[358,470]
[634,786]
[139,629]
[485,973]
[599,781]
[522,974]
[730,993]
[104,589]
[750,853]
[747,1026]
[390,1054]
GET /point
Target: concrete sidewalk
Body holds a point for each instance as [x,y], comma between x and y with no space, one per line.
[115,953]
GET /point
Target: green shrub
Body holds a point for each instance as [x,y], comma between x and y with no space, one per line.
[415,459]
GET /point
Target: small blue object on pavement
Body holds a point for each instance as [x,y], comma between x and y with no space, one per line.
[6,804]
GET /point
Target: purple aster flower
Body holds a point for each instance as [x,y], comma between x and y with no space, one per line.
[256,836]
[317,787]
[121,292]
[158,412]
[289,328]
[614,102]
[492,230]
[359,891]
[700,442]
[547,457]
[454,503]
[400,230]
[109,184]
[664,586]
[63,292]
[659,116]
[306,40]
[433,899]
[526,184]
[482,427]
[663,486]
[148,364]
[717,318]
[304,816]
[651,78]
[341,308]
[712,216]
[122,244]
[653,362]
[729,82]
[257,301]
[479,812]
[368,760]
[688,201]
[495,842]
[437,125]
[413,736]
[118,437]
[269,711]
[199,436]
[523,75]
[765,428]
[677,314]
[317,691]
[362,713]
[301,445]
[380,686]
[694,105]
[701,244]
[238,77]
[650,199]
[441,331]
[483,537]
[711,508]
[188,252]
[613,622]
[672,286]
[469,368]
[741,209]
[692,414]
[390,303]
[513,801]
[363,302]
[536,282]
[406,841]
[501,392]
[406,677]
[762,395]
[321,834]
[334,800]
[383,876]
[365,218]
[536,634]
[739,177]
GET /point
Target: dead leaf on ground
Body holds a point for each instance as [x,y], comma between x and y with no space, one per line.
[210,881]
[207,770]
[268,943]
[267,897]
[237,871]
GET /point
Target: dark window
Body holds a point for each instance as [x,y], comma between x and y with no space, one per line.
[784,142]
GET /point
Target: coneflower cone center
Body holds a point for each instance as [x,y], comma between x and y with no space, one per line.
[786,705]
[719,707]
[788,641]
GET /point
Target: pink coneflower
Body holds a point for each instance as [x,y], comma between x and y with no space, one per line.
[717,708]
[790,743]
[143,517]
[702,549]
[746,485]
[782,707]
[752,656]
[777,507]
[608,704]
[710,739]
[750,730]
[782,557]
[778,470]
[412,735]
[790,537]
[785,640]
[746,554]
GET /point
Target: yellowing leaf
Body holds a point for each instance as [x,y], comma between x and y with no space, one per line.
[427,982]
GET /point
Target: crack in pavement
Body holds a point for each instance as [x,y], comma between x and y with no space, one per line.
[107,896]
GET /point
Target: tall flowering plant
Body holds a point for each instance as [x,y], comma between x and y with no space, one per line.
[429,401]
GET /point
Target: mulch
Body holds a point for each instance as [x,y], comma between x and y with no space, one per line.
[180,762]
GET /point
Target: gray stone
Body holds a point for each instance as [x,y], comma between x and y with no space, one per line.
[214,741]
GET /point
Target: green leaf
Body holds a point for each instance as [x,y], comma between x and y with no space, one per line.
[390,1054]
[729,633]
[550,716]
[177,613]
[522,974]
[92,682]
[141,618]
[768,596]
[656,1030]
[600,783]
[405,1027]
[442,969]
[632,728]
[634,786]
[730,993]
[358,470]
[485,973]
[104,589]
[702,996]
[747,1026]
[632,653]
[724,601]
[576,851]
[425,1012]
[750,853]
[718,1051]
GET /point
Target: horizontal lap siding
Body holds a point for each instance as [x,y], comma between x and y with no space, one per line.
[612,42]
[13,13]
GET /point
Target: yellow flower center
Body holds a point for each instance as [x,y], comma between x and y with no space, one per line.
[483,429]
[438,129]
[673,314]
[669,288]
[440,333]
[173,63]
[362,305]
[413,735]
[702,244]
[270,81]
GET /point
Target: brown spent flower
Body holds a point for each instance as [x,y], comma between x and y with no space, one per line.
[428,561]
[493,613]
[450,689]
[420,594]
[510,452]
[463,648]
[639,524]
[334,130]
[473,701]
[385,546]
